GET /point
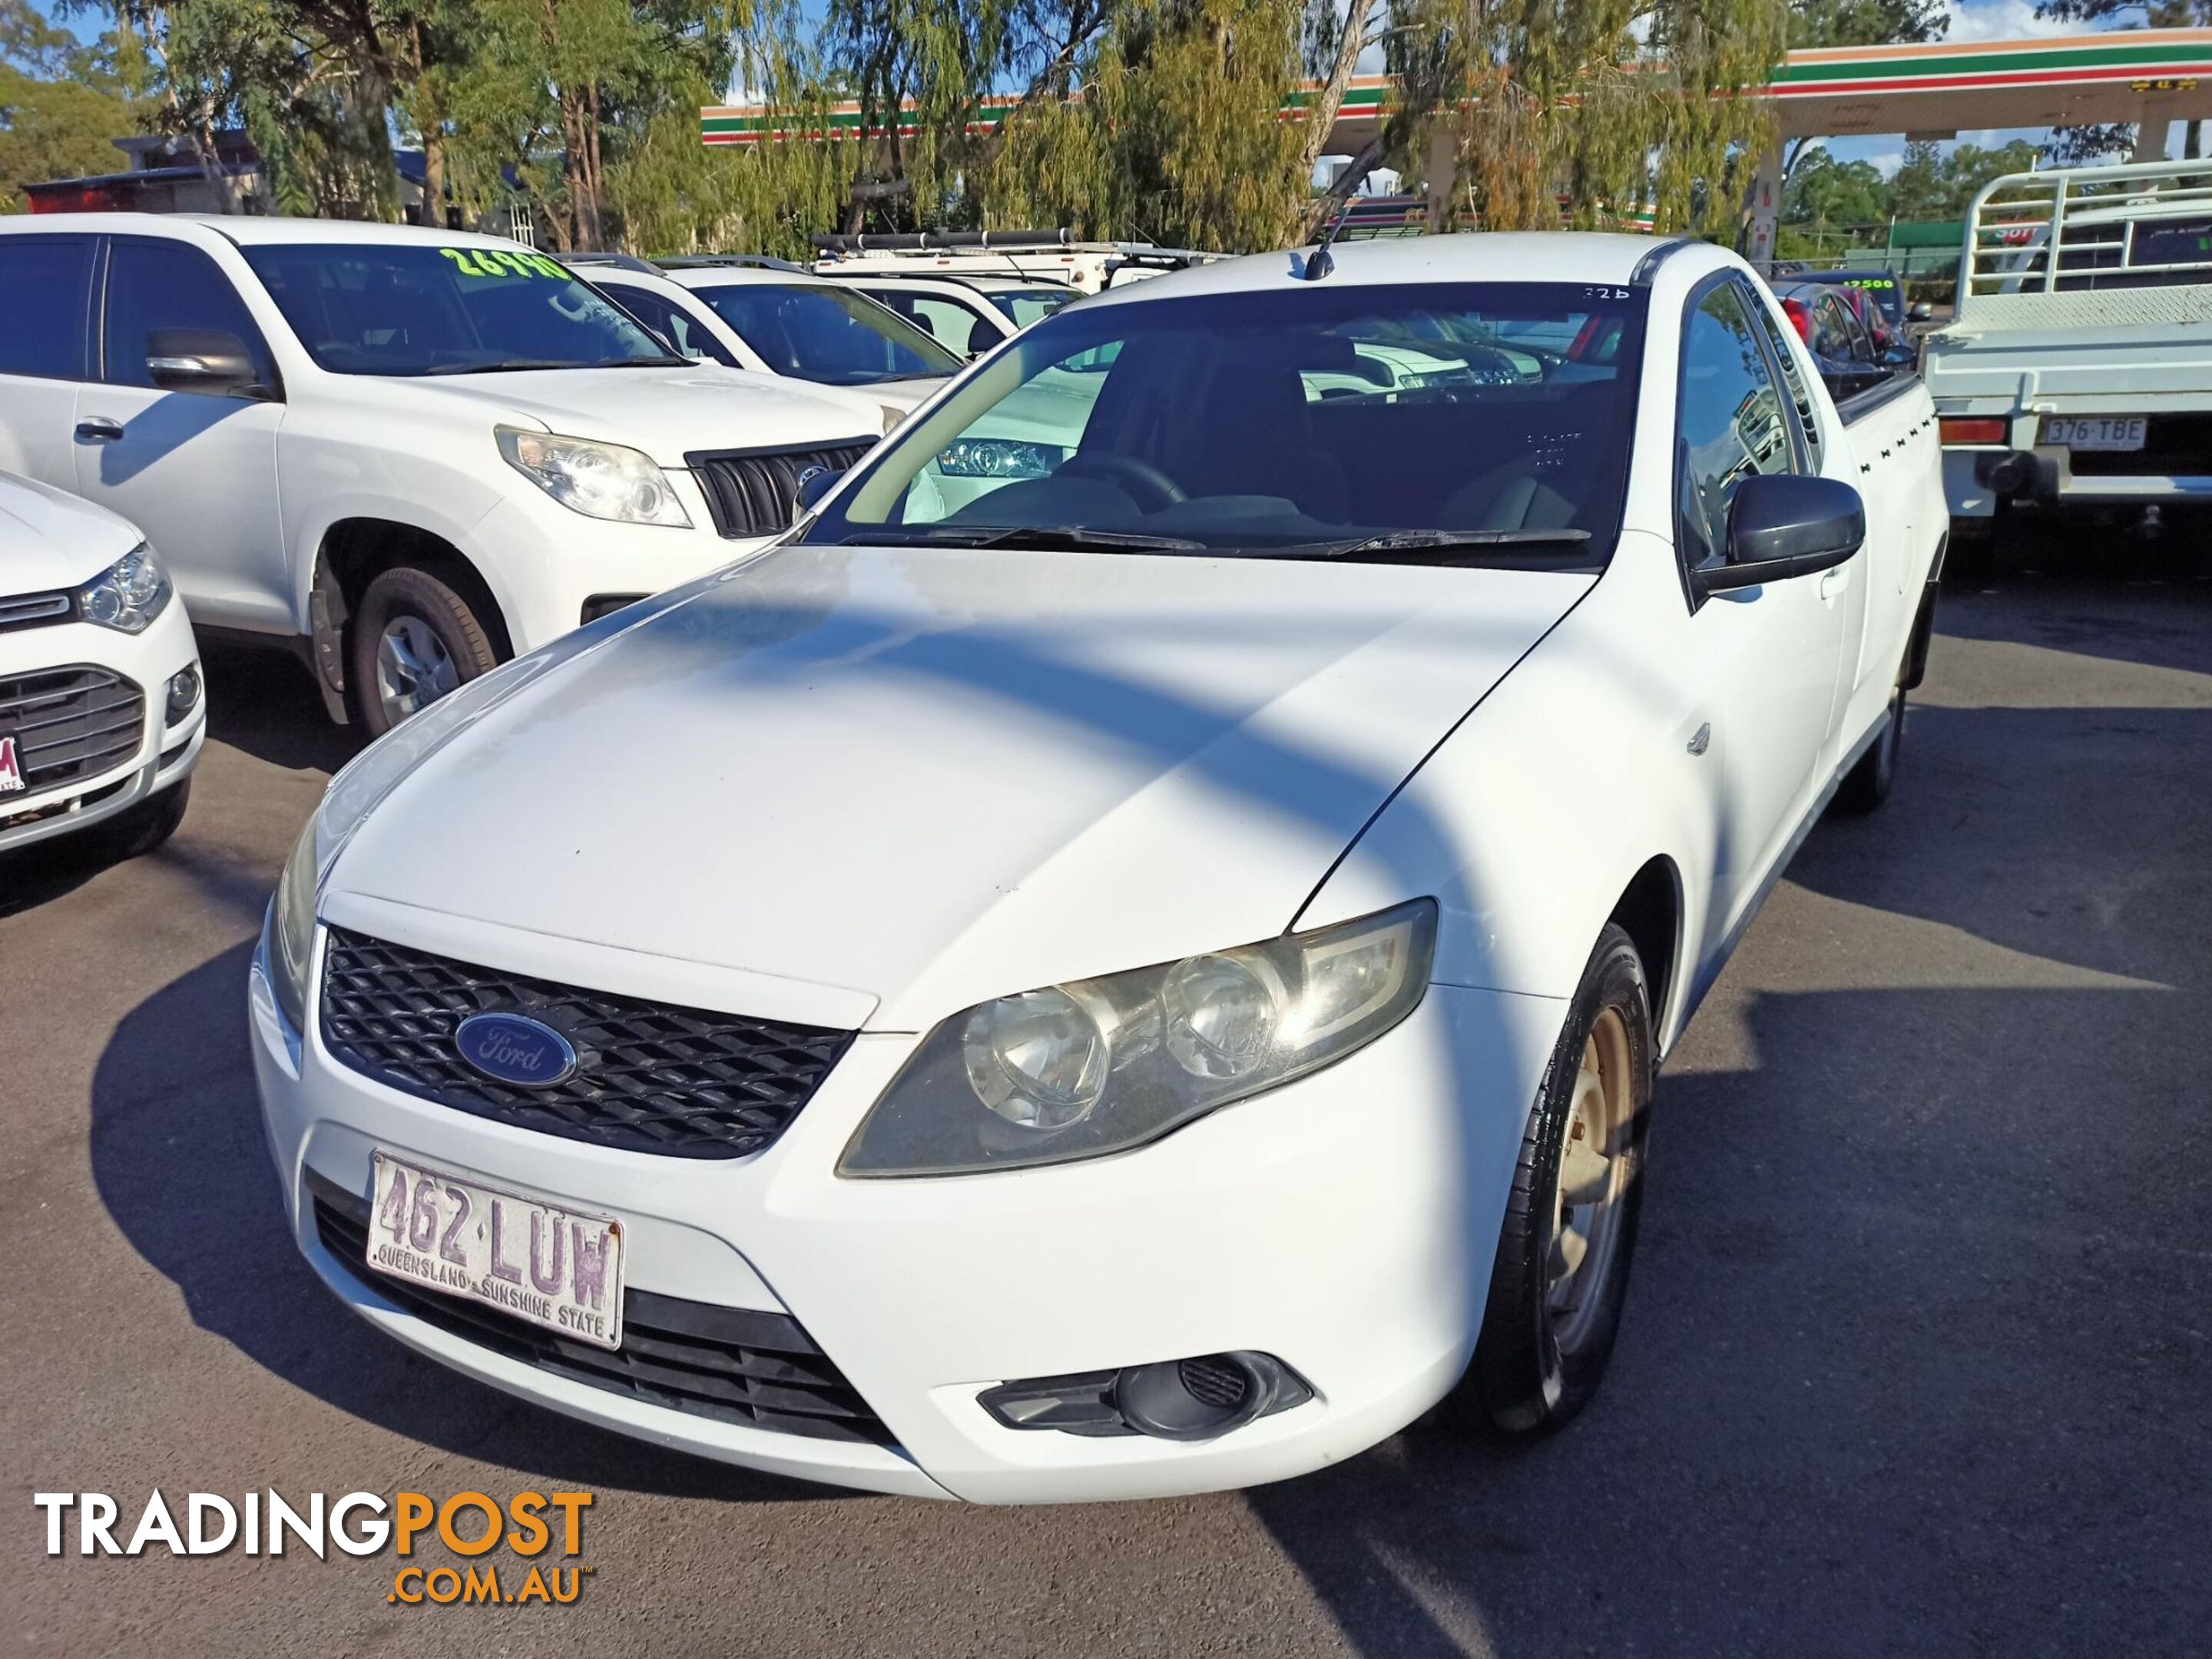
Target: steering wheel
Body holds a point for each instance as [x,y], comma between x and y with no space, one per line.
[1147,485]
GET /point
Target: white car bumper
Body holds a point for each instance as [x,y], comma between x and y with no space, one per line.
[70,798]
[1344,1224]
[545,564]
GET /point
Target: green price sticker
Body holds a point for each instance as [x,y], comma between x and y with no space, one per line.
[503,262]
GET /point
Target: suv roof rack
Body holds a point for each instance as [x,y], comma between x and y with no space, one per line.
[745,261]
[974,279]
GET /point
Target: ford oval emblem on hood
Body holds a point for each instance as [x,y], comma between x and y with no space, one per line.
[513,1049]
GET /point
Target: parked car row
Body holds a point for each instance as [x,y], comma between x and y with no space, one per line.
[1088,979]
[410,454]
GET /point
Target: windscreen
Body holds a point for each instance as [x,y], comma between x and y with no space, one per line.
[827,334]
[1279,422]
[416,309]
[1027,306]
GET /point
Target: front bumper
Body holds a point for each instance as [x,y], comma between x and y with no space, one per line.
[164,755]
[1344,1223]
[545,564]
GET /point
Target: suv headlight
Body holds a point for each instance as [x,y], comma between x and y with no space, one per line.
[1099,1066]
[129,594]
[600,481]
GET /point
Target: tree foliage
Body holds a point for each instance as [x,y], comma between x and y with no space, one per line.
[1867,23]
[62,104]
[1619,105]
[1130,118]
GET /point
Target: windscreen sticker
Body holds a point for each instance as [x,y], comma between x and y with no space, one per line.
[503,262]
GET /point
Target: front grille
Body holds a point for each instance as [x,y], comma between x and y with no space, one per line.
[70,723]
[754,492]
[732,1364]
[649,1078]
[36,610]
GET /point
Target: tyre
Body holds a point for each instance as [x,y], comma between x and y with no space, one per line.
[1871,778]
[415,637]
[144,827]
[1561,1271]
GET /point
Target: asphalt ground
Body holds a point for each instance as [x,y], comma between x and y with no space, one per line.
[1916,1360]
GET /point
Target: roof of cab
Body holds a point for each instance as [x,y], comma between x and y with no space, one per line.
[1496,256]
[254,230]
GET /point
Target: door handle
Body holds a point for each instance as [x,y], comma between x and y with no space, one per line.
[1834,581]
[98,428]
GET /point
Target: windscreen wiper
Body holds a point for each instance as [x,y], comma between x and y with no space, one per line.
[1444,542]
[513,363]
[519,364]
[1046,537]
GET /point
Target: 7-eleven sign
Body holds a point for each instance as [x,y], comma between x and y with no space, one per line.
[11,775]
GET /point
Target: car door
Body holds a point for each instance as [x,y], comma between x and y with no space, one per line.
[196,470]
[1764,659]
[45,327]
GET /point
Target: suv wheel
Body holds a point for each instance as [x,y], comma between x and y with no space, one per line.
[414,638]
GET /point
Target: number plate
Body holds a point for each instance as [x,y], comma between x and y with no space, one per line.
[2095,431]
[555,1267]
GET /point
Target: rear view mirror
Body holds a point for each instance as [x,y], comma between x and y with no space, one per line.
[204,360]
[1782,525]
[814,484]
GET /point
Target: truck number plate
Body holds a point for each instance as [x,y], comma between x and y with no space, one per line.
[2095,431]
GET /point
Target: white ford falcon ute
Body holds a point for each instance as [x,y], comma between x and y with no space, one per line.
[1130,958]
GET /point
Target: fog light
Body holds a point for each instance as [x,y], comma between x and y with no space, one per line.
[1198,1399]
[184,693]
[606,604]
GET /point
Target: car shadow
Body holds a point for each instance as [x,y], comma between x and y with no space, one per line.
[1901,1372]
[262,700]
[204,1210]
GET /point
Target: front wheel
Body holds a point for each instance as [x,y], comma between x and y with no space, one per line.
[1560,1275]
[415,639]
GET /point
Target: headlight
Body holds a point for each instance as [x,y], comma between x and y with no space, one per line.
[1100,1065]
[600,481]
[129,594]
[998,457]
[292,927]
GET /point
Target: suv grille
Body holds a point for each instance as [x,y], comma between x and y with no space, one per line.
[36,610]
[648,1077]
[734,1363]
[755,492]
[70,723]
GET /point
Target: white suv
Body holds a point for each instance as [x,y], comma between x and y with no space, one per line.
[411,453]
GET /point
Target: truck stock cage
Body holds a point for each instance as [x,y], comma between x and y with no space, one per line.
[2106,245]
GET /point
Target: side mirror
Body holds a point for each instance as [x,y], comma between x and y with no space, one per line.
[1782,525]
[814,484]
[204,360]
